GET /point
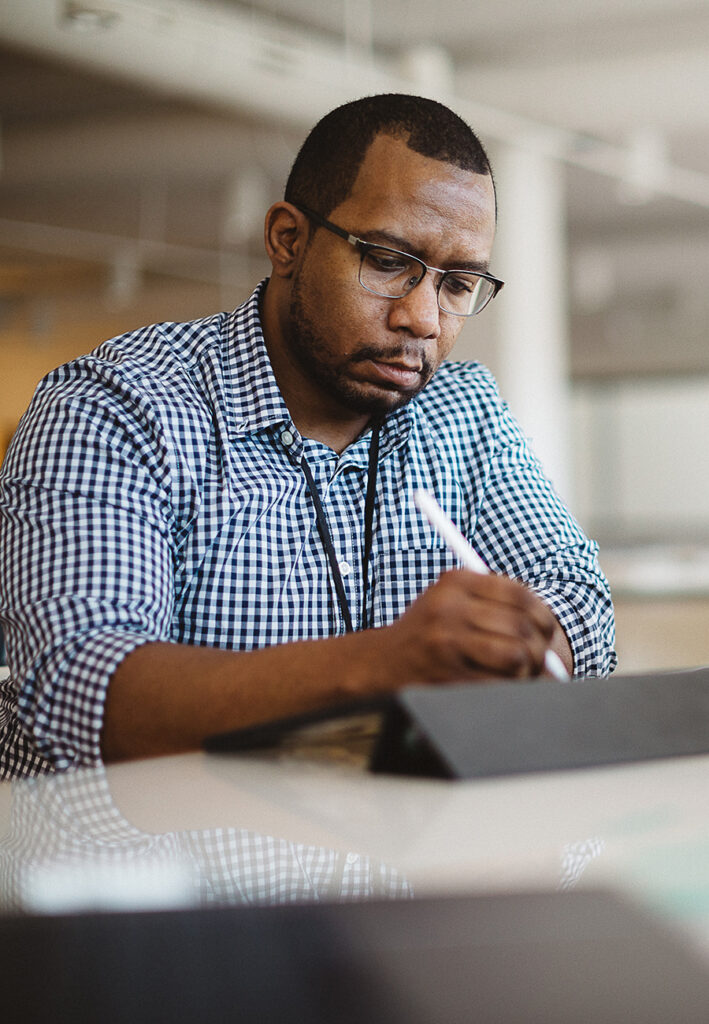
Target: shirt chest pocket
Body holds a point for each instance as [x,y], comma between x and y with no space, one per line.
[400,578]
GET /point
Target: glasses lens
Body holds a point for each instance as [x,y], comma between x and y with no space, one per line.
[389,273]
[464,294]
[394,274]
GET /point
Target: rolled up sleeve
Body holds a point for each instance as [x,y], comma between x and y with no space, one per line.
[86,554]
[524,530]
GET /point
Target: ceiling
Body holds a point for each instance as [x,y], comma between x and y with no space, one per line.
[143,139]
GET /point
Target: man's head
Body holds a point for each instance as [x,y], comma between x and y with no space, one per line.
[329,160]
[388,171]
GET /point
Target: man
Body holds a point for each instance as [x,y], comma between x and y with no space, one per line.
[201,521]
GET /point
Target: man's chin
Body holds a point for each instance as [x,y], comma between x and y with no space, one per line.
[376,400]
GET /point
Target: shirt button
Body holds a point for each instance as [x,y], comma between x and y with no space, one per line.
[352,858]
[345,567]
[287,438]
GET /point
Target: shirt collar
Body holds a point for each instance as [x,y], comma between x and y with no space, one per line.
[254,399]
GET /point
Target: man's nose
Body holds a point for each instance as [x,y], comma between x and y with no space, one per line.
[418,311]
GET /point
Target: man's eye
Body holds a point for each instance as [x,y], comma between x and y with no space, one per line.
[386,262]
[458,284]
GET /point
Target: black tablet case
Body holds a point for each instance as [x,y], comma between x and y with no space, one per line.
[499,728]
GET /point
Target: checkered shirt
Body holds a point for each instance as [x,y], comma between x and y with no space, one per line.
[154,491]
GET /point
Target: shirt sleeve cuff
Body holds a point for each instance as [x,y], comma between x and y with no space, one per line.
[591,639]
[65,717]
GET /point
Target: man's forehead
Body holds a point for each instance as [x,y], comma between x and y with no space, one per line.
[391,172]
[410,197]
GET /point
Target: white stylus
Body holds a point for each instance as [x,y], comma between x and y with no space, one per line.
[455,540]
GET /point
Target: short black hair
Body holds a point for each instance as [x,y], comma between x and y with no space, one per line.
[329,160]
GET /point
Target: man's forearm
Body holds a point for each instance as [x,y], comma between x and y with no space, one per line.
[561,646]
[165,698]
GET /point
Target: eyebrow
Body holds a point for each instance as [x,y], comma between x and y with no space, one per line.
[402,245]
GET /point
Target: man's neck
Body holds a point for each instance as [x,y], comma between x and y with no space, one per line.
[335,435]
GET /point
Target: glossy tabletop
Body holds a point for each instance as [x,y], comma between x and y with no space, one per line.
[233,830]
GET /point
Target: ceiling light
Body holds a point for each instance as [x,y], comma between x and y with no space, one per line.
[81,18]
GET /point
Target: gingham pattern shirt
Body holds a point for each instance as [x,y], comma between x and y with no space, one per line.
[154,491]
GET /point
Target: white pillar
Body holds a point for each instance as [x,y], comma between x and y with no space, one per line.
[530,256]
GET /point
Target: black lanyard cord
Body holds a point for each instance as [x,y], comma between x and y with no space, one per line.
[372,468]
[326,536]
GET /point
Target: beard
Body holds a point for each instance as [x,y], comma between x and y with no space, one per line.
[310,349]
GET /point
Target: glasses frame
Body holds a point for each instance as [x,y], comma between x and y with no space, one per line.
[363,247]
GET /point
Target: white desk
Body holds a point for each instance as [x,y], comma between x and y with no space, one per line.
[215,830]
[640,828]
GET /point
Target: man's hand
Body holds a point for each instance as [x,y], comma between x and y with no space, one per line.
[468,626]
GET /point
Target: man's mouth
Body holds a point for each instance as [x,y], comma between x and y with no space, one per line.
[398,374]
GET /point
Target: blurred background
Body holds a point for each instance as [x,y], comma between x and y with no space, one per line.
[141,142]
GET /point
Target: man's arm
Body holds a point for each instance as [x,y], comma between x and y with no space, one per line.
[86,513]
[165,698]
[524,530]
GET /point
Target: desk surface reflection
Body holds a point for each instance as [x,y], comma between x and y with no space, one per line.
[204,835]
[261,830]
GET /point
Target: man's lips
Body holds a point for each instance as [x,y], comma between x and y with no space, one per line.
[396,374]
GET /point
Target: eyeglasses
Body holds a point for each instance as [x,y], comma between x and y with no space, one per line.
[393,274]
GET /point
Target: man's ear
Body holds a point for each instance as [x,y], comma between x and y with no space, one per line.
[285,237]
